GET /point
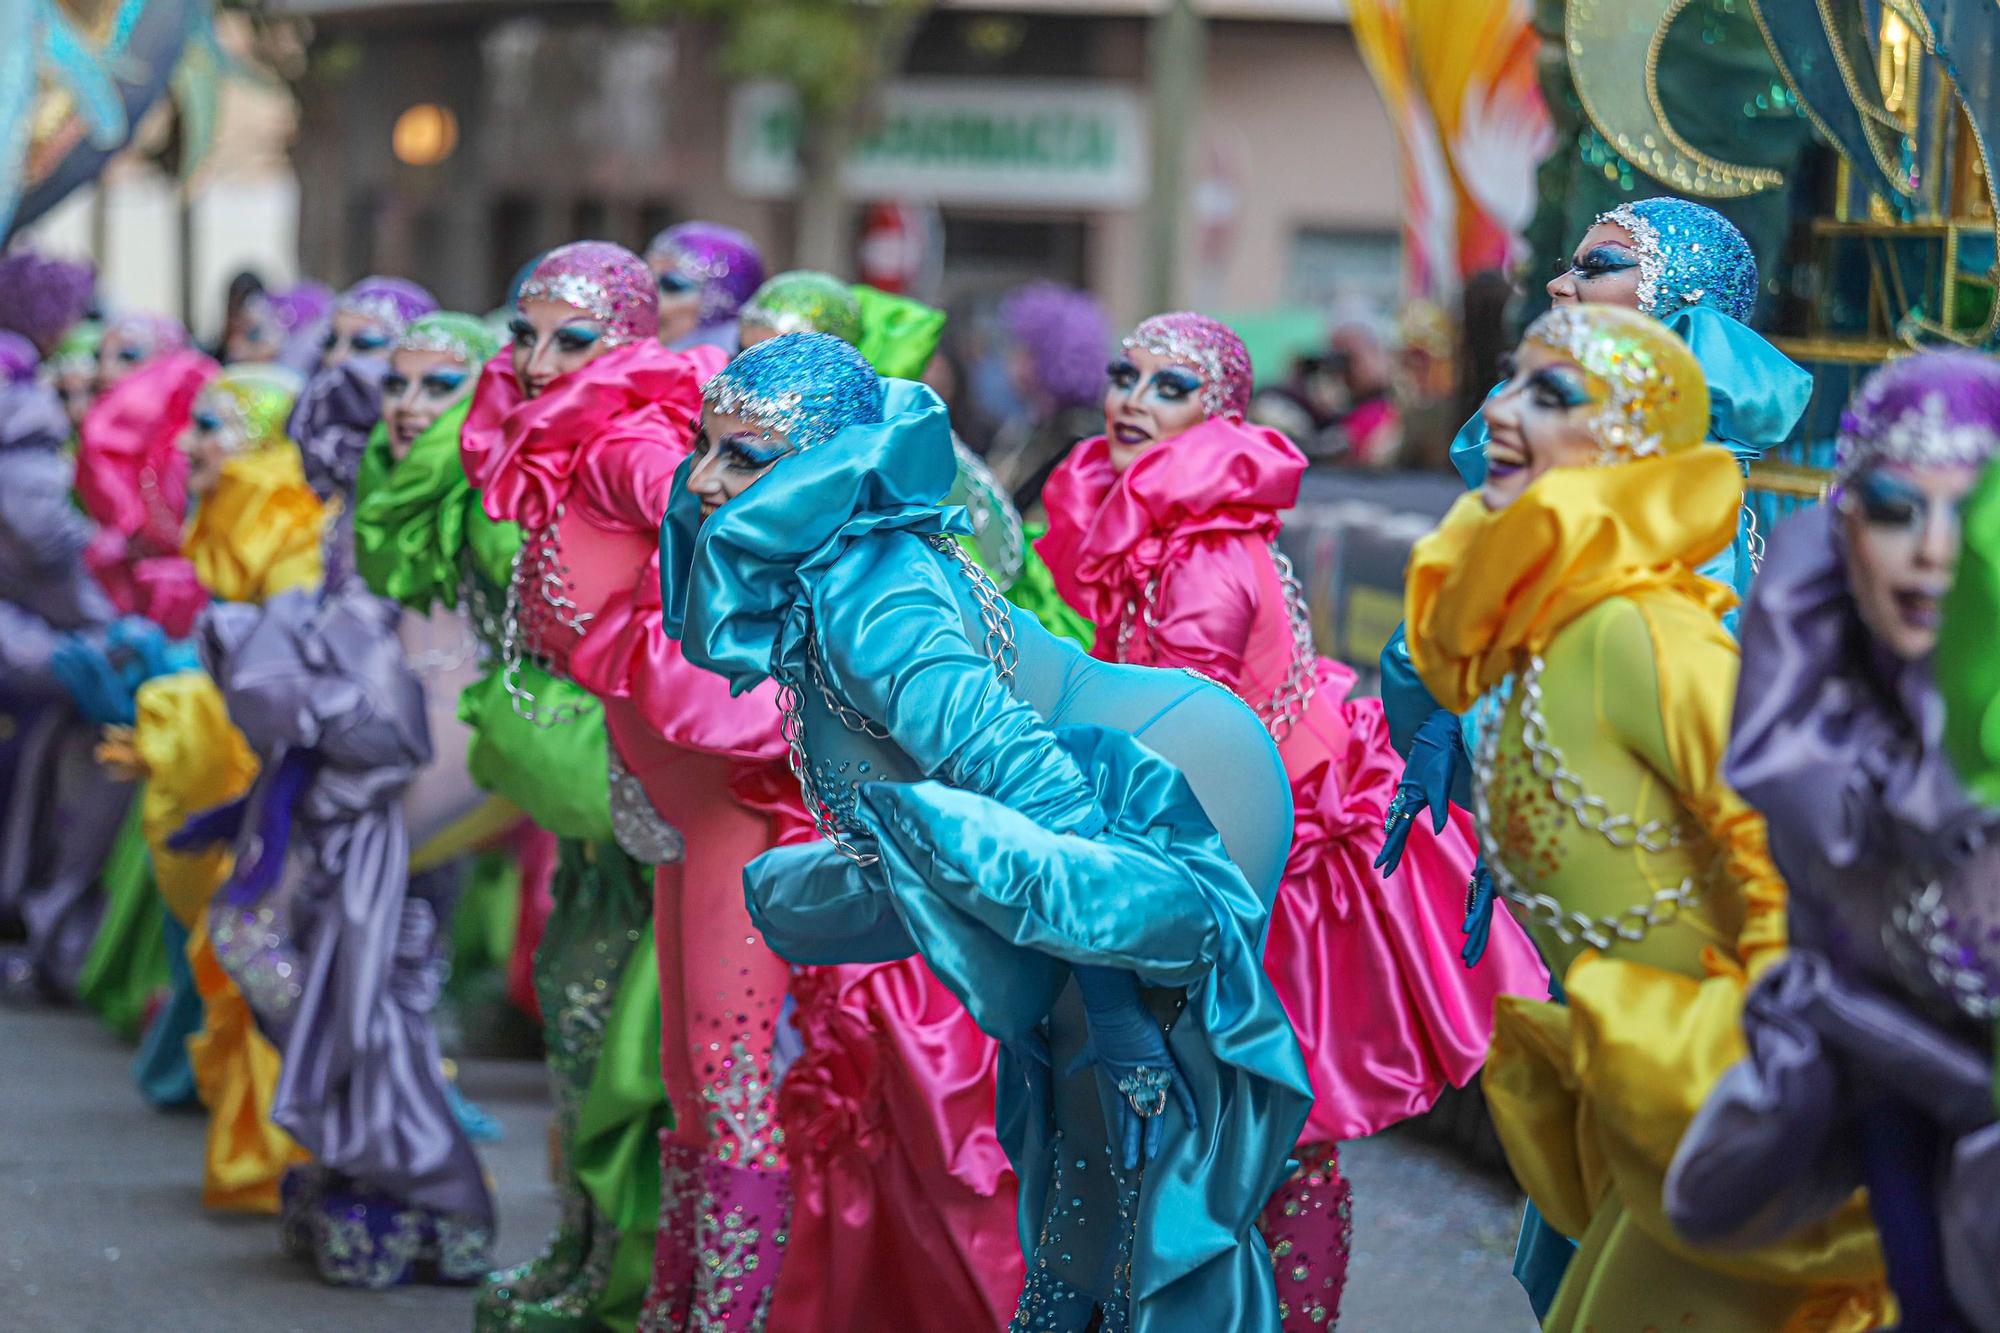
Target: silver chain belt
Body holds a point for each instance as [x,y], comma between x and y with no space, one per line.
[520,628]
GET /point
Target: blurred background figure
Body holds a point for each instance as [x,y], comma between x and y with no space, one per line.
[1053,346]
[245,316]
[41,298]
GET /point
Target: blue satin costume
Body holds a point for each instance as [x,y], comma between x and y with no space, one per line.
[1757,397]
[1071,813]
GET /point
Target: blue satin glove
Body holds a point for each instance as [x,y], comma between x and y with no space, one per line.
[146,651]
[1127,1045]
[97,688]
[1478,914]
[1437,756]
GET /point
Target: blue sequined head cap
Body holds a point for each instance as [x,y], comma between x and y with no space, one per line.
[1689,254]
[807,386]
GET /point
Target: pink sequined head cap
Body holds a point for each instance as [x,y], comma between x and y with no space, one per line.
[605,281]
[1209,348]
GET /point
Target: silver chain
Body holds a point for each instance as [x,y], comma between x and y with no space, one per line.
[1288,703]
[1663,907]
[1921,944]
[520,628]
[1753,540]
[997,619]
[995,507]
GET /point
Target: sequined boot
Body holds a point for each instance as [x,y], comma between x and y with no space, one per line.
[544,1275]
[299,1191]
[575,1307]
[363,1238]
[672,1287]
[1309,1225]
[740,1225]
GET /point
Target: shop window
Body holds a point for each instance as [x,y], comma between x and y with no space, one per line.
[1340,266]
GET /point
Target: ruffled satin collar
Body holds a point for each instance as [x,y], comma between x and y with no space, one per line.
[409,516]
[736,590]
[1108,532]
[522,453]
[1488,585]
[1830,737]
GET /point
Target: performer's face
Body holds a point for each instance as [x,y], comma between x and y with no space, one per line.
[1902,530]
[680,298]
[1540,419]
[214,434]
[124,350]
[1603,271]
[1149,399]
[354,335]
[76,386]
[732,454]
[419,388]
[552,339]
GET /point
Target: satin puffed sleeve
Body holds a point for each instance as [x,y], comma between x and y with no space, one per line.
[894,645]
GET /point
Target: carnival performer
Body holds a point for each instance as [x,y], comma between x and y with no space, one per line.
[255,531]
[810,544]
[705,272]
[423,539]
[131,340]
[1643,877]
[72,370]
[689,761]
[898,336]
[61,814]
[333,942]
[1870,1057]
[1056,340]
[1163,532]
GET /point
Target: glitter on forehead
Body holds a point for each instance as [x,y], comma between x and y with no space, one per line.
[806,386]
[1689,254]
[803,301]
[722,261]
[1640,392]
[463,337]
[392,302]
[1209,348]
[1935,409]
[605,281]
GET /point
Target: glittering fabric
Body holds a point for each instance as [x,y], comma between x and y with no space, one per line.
[1066,335]
[1209,348]
[77,349]
[605,281]
[1689,254]
[1935,409]
[804,301]
[722,260]
[464,337]
[1653,397]
[40,298]
[391,301]
[18,358]
[806,386]
[257,399]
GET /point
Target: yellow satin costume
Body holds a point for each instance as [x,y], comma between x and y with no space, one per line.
[1644,879]
[255,535]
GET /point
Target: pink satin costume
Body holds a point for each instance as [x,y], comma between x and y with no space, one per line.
[877,1155]
[1175,562]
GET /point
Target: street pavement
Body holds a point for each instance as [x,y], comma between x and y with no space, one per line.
[102,1229]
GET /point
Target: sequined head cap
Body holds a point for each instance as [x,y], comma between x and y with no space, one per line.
[807,386]
[1654,399]
[301,305]
[77,349]
[18,358]
[256,397]
[156,333]
[605,281]
[1934,409]
[1209,348]
[1689,254]
[465,337]
[390,301]
[722,261]
[804,301]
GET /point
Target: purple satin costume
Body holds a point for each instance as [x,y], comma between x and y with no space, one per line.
[1855,1048]
[338,951]
[61,811]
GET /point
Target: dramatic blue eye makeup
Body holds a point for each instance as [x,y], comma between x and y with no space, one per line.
[395,385]
[130,354]
[1603,260]
[1123,373]
[207,422]
[749,452]
[577,337]
[1558,387]
[370,340]
[676,284]
[523,332]
[1175,384]
[443,383]
[1895,504]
